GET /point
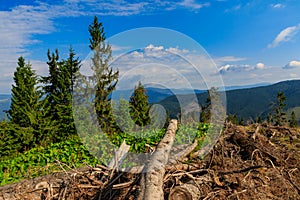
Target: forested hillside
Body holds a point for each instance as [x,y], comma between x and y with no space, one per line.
[246,103]
[4,104]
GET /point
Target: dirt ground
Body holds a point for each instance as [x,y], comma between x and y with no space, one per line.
[247,162]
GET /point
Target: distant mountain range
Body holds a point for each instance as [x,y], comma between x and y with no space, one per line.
[248,101]
[156,94]
[4,104]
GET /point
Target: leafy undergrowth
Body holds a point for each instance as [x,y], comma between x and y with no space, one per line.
[141,140]
[73,154]
[44,160]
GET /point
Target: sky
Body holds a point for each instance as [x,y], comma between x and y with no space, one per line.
[172,44]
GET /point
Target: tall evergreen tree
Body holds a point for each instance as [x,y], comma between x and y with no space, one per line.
[58,87]
[25,96]
[140,106]
[213,110]
[27,111]
[50,83]
[104,77]
[66,77]
[206,110]
[278,107]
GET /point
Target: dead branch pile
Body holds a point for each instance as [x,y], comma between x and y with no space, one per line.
[251,162]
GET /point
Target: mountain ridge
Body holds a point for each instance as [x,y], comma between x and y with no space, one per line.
[242,101]
[248,103]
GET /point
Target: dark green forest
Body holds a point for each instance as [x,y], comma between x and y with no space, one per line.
[248,104]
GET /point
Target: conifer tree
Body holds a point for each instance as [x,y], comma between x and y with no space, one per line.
[50,83]
[25,96]
[104,77]
[242,121]
[233,119]
[122,116]
[279,114]
[213,110]
[293,121]
[58,87]
[206,110]
[27,111]
[140,106]
[66,77]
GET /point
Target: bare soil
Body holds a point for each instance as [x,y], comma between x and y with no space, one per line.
[247,162]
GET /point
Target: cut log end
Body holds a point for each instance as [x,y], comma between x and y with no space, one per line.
[187,191]
[180,194]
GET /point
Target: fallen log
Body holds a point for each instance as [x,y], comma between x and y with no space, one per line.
[154,171]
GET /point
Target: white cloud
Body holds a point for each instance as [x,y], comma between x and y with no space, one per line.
[292,64]
[285,35]
[151,47]
[115,48]
[229,59]
[176,50]
[235,8]
[192,4]
[172,67]
[240,68]
[278,5]
[260,65]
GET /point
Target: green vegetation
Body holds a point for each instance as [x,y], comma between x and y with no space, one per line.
[72,153]
[42,160]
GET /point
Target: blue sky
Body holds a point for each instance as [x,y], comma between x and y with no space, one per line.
[249,42]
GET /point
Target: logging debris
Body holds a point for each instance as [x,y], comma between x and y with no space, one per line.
[247,162]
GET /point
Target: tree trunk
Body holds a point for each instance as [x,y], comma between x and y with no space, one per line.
[152,180]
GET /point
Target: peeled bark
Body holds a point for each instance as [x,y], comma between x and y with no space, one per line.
[152,180]
[119,156]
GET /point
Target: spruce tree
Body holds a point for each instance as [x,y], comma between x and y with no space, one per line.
[233,119]
[242,121]
[279,114]
[104,77]
[50,83]
[27,110]
[213,110]
[25,96]
[66,77]
[140,106]
[58,87]
[206,110]
[293,121]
